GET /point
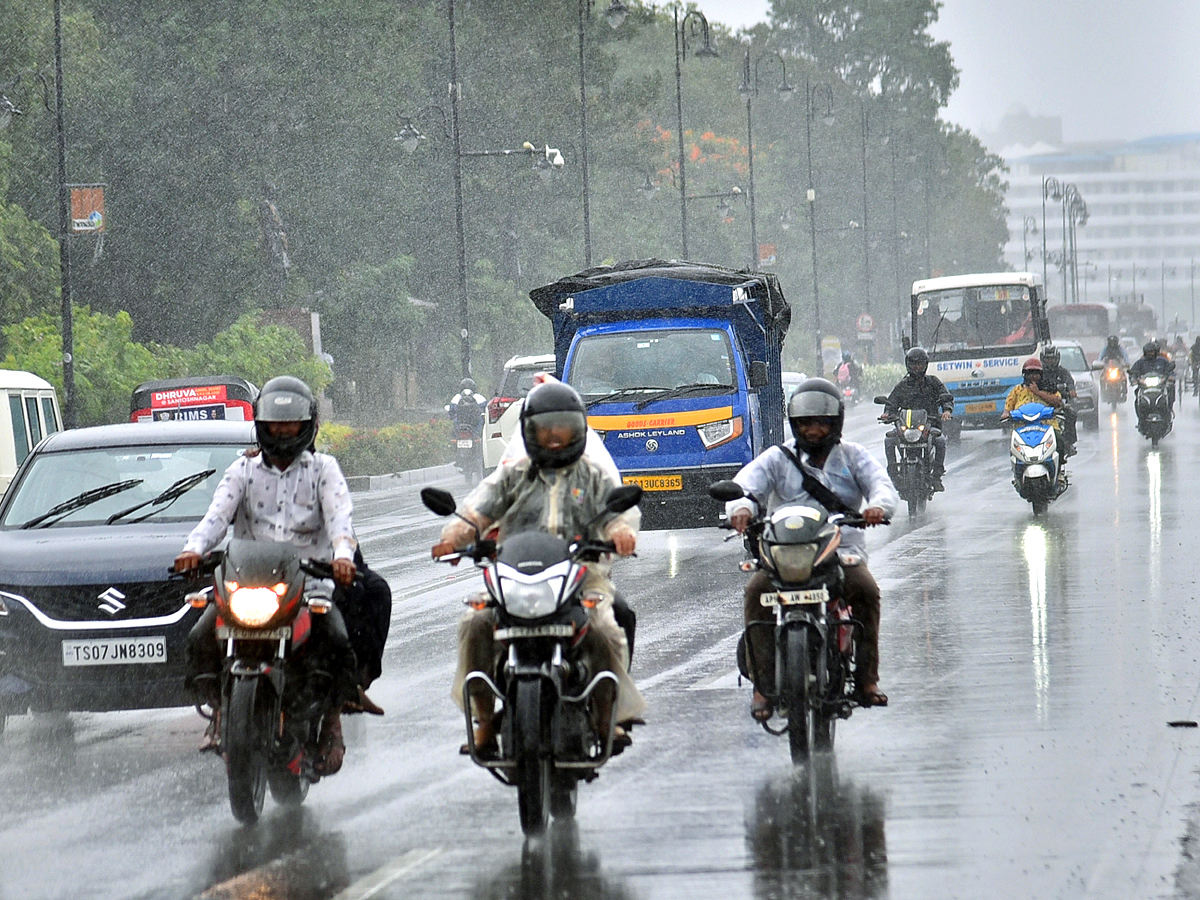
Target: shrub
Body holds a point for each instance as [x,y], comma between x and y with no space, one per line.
[393,448]
[880,379]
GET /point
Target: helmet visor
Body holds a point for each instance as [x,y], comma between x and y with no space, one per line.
[555,429]
[283,406]
[809,404]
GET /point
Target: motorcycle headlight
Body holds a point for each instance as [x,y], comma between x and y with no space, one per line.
[912,435]
[793,562]
[254,606]
[716,433]
[531,601]
[1113,374]
[1152,381]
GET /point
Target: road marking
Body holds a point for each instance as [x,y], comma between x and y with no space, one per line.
[725,681]
[386,874]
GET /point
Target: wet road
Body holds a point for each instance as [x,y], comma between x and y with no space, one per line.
[1032,665]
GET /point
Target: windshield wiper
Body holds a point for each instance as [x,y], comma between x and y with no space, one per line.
[87,498]
[682,391]
[623,392]
[169,496]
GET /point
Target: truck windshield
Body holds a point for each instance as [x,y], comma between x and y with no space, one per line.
[980,316]
[651,361]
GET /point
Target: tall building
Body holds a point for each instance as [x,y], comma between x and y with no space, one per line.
[1141,240]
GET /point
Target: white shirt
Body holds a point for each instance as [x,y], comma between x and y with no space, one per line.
[307,505]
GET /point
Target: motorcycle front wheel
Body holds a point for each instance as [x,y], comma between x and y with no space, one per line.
[533,767]
[794,692]
[564,789]
[248,730]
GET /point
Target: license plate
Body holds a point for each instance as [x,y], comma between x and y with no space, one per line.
[656,482]
[115,651]
[990,406]
[225,632]
[465,444]
[794,598]
[532,631]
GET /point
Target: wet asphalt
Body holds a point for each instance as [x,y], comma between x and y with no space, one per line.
[1033,666]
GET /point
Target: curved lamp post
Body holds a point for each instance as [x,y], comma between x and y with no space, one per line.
[749,89]
[693,22]
[1029,226]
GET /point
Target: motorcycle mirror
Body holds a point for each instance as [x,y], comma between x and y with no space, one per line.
[438,501]
[1098,366]
[881,400]
[726,491]
[627,496]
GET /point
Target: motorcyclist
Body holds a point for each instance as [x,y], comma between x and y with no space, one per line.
[287,493]
[919,390]
[1153,362]
[466,408]
[1194,363]
[1056,379]
[1114,351]
[816,415]
[849,372]
[1031,391]
[554,488]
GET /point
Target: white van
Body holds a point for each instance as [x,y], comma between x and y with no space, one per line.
[30,414]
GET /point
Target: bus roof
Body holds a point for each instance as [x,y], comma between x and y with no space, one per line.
[950,282]
[16,379]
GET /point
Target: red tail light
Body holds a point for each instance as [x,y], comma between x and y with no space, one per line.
[496,407]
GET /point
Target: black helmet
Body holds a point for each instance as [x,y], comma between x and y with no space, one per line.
[916,361]
[285,399]
[468,385]
[1114,341]
[1150,349]
[554,404]
[816,398]
[1051,355]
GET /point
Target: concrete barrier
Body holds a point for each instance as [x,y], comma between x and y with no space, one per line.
[361,483]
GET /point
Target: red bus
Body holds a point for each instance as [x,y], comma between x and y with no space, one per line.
[197,398]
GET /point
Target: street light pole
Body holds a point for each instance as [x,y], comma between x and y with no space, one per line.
[866,233]
[810,90]
[584,6]
[64,230]
[1029,224]
[459,225]
[749,88]
[1052,190]
[680,29]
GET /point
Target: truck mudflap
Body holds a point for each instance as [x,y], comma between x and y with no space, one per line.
[678,498]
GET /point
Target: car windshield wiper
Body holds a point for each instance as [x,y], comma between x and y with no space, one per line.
[682,391]
[623,392]
[169,496]
[87,498]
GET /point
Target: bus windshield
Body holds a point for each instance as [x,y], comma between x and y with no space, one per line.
[1079,320]
[977,316]
[651,360]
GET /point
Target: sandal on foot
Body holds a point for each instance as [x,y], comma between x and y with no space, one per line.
[871,696]
[761,708]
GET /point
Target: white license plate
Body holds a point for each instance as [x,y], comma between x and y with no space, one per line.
[115,651]
[793,598]
[465,444]
[522,631]
[225,632]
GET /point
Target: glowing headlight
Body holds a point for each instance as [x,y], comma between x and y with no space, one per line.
[254,607]
[1152,381]
[716,433]
[793,562]
[531,601]
[912,435]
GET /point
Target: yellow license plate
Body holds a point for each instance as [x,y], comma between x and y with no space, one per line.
[656,482]
[990,406]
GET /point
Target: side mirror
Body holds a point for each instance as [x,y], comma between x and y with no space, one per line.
[881,399]
[758,373]
[726,491]
[627,496]
[438,501]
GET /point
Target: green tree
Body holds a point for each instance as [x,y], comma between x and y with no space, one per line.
[257,352]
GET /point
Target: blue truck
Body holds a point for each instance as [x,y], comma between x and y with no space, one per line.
[679,364]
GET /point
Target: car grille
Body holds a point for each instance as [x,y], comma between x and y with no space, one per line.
[83,603]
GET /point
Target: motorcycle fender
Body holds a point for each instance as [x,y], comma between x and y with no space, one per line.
[1036,470]
[301,628]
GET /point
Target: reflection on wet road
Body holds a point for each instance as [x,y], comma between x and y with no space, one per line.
[1032,666]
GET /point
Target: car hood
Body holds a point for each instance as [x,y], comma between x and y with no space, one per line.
[90,554]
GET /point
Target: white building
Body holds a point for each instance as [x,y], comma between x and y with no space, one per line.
[1142,234]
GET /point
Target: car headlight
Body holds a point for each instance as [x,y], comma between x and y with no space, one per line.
[716,433]
[254,607]
[530,601]
[793,562]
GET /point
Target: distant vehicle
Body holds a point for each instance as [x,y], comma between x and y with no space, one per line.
[196,398]
[1087,386]
[791,381]
[88,618]
[1088,324]
[504,410]
[30,414]
[1137,320]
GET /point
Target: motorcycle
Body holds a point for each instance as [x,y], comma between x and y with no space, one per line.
[1152,404]
[1038,475]
[275,687]
[814,631]
[848,385]
[914,434]
[467,419]
[1113,389]
[548,738]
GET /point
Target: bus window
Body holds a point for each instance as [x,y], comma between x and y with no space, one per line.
[20,435]
[48,416]
[35,428]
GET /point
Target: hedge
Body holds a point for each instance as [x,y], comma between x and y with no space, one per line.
[393,448]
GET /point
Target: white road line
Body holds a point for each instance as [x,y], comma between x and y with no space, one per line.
[723,681]
[386,874]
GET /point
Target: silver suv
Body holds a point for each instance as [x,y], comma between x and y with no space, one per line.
[504,409]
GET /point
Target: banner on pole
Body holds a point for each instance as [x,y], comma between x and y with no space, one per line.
[87,208]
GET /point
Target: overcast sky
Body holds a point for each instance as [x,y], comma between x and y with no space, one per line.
[1112,69]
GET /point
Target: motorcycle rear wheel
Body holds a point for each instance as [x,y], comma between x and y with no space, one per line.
[533,769]
[287,789]
[795,693]
[564,789]
[248,730]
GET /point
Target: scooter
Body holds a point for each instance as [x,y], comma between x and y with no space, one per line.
[1113,388]
[1151,402]
[548,734]
[468,440]
[1038,475]
[914,434]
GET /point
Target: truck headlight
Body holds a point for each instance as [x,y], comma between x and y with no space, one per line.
[714,434]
